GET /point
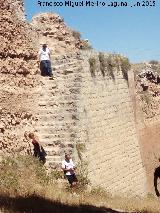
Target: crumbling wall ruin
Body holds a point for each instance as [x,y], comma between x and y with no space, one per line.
[106,117]
[95,109]
[147,114]
[18,69]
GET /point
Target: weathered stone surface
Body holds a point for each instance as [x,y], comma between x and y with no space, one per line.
[78,106]
[53,31]
[147,116]
[18,68]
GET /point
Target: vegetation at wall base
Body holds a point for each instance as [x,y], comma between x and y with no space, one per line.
[25,186]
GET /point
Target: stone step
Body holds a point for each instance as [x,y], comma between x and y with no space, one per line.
[53,158]
[50,144]
[52,152]
[52,141]
[53,165]
[57,125]
[48,83]
[64,65]
[63,98]
[45,117]
[59,111]
[49,106]
[64,61]
[58,138]
[56,121]
[57,118]
[58,79]
[65,58]
[50,129]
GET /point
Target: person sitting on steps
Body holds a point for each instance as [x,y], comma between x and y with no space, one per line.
[38,150]
[45,61]
[69,170]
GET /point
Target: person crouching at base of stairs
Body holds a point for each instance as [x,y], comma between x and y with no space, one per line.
[38,150]
[69,170]
[45,61]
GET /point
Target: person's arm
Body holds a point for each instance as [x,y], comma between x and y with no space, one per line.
[74,167]
[49,53]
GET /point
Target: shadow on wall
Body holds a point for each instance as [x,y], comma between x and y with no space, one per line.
[156,176]
[35,204]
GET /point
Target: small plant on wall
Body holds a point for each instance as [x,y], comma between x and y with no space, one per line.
[108,63]
[93,64]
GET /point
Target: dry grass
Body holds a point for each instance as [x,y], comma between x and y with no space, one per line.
[76,34]
[93,66]
[113,62]
[26,187]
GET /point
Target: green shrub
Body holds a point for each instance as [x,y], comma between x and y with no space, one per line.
[125,67]
[82,169]
[111,64]
[56,174]
[80,147]
[82,176]
[100,192]
[102,63]
[108,64]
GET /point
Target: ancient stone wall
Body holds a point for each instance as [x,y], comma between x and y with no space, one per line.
[86,104]
[52,30]
[22,87]
[18,69]
[108,130]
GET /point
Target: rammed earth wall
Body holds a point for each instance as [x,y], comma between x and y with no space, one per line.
[82,105]
[112,147]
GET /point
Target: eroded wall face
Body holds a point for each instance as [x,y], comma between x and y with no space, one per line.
[18,78]
[150,146]
[94,110]
[147,113]
[112,148]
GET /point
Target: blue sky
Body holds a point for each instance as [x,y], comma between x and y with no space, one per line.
[131,31]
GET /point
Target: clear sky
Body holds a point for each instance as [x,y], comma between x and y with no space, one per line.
[131,31]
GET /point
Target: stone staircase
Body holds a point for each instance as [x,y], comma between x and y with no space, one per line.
[56,113]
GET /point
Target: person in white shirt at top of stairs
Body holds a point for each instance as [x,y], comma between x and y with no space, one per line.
[45,61]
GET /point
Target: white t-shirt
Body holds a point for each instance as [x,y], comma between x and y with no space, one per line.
[68,165]
[44,55]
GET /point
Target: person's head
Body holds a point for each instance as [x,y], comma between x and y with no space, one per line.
[31,135]
[44,46]
[67,156]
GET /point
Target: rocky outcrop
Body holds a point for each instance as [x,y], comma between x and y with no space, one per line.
[17,49]
[53,31]
[147,116]
[18,68]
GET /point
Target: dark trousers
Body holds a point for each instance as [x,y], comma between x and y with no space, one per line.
[45,67]
[41,155]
